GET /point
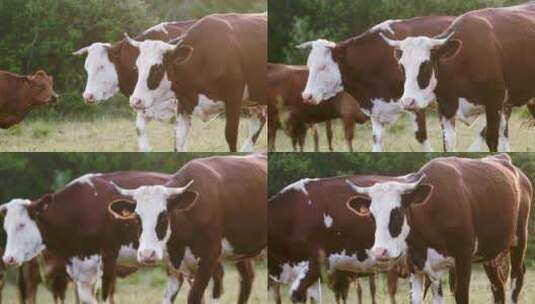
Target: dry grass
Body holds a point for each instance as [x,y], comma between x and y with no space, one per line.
[112,134]
[400,137]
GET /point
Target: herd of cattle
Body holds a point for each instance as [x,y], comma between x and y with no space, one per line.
[451,213]
[103,226]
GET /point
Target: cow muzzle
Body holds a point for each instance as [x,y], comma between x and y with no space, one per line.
[10,261]
[89,98]
[137,103]
[147,256]
[408,104]
[381,255]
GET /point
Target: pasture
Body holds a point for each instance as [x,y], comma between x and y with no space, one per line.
[399,137]
[148,286]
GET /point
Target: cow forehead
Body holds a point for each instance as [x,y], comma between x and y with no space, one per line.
[386,196]
[151,52]
[97,54]
[150,199]
[321,50]
[16,211]
[415,49]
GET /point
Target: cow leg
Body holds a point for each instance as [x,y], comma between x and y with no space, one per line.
[232,112]
[463,272]
[329,134]
[255,125]
[420,130]
[373,289]
[480,138]
[436,290]
[246,270]
[339,282]
[274,289]
[27,281]
[494,118]
[206,268]
[311,276]
[109,262]
[142,138]
[496,283]
[182,128]
[174,282]
[378,130]
[518,253]
[217,279]
[392,284]
[359,291]
[316,137]
[58,283]
[273,124]
[2,282]
[314,292]
[448,133]
[349,131]
[417,282]
[503,142]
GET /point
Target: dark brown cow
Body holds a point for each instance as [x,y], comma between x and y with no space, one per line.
[452,212]
[222,57]
[364,67]
[449,68]
[21,94]
[223,199]
[284,86]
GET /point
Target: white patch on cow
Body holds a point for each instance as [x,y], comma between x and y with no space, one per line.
[172,288]
[182,128]
[436,265]
[142,138]
[86,179]
[385,112]
[314,292]
[385,26]
[226,249]
[426,146]
[245,95]
[324,78]
[190,264]
[85,272]
[161,110]
[417,288]
[207,108]
[349,262]
[478,142]
[102,79]
[293,274]
[415,51]
[435,289]
[24,240]
[476,247]
[158,28]
[448,132]
[378,132]
[503,140]
[150,53]
[254,125]
[467,112]
[299,185]
[328,220]
[127,255]
[513,288]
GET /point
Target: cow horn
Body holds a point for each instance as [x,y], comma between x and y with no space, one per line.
[358,189]
[125,192]
[440,42]
[81,51]
[131,41]
[305,45]
[390,42]
[177,190]
[410,186]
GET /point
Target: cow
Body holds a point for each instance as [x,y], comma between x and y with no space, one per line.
[449,68]
[452,212]
[214,208]
[310,216]
[364,67]
[284,86]
[340,282]
[111,68]
[19,95]
[75,225]
[219,61]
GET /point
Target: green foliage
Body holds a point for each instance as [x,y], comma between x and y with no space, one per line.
[296,21]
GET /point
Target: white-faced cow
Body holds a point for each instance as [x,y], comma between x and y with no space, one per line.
[449,68]
[453,212]
[364,67]
[111,68]
[19,95]
[214,208]
[220,62]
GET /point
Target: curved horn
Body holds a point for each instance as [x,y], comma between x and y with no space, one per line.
[176,41]
[390,42]
[410,186]
[81,51]
[125,192]
[305,45]
[358,189]
[131,41]
[439,42]
[177,190]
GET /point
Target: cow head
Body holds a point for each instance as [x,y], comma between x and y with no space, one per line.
[24,239]
[388,204]
[41,87]
[152,84]
[418,57]
[102,78]
[324,77]
[151,207]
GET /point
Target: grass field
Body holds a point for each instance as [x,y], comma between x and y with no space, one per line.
[148,287]
[400,136]
[115,134]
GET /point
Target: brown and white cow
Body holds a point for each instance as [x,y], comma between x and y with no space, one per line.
[452,212]
[74,224]
[449,68]
[21,94]
[214,208]
[364,67]
[220,60]
[284,86]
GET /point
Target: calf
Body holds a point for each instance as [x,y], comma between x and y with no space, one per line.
[363,67]
[222,57]
[453,212]
[203,209]
[449,68]
[284,86]
[19,95]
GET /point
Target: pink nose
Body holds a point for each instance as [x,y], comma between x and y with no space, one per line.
[380,254]
[89,98]
[408,103]
[307,97]
[9,261]
[147,256]
[136,102]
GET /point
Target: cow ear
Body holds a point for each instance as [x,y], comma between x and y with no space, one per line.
[448,50]
[418,196]
[41,205]
[183,201]
[181,54]
[359,204]
[397,54]
[122,209]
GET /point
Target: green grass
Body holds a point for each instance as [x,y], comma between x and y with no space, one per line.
[148,286]
[479,291]
[114,134]
[400,136]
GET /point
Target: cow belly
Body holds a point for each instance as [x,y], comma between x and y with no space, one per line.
[350,262]
[436,263]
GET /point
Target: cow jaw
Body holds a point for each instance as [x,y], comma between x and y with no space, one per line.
[102,78]
[24,240]
[324,77]
[151,54]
